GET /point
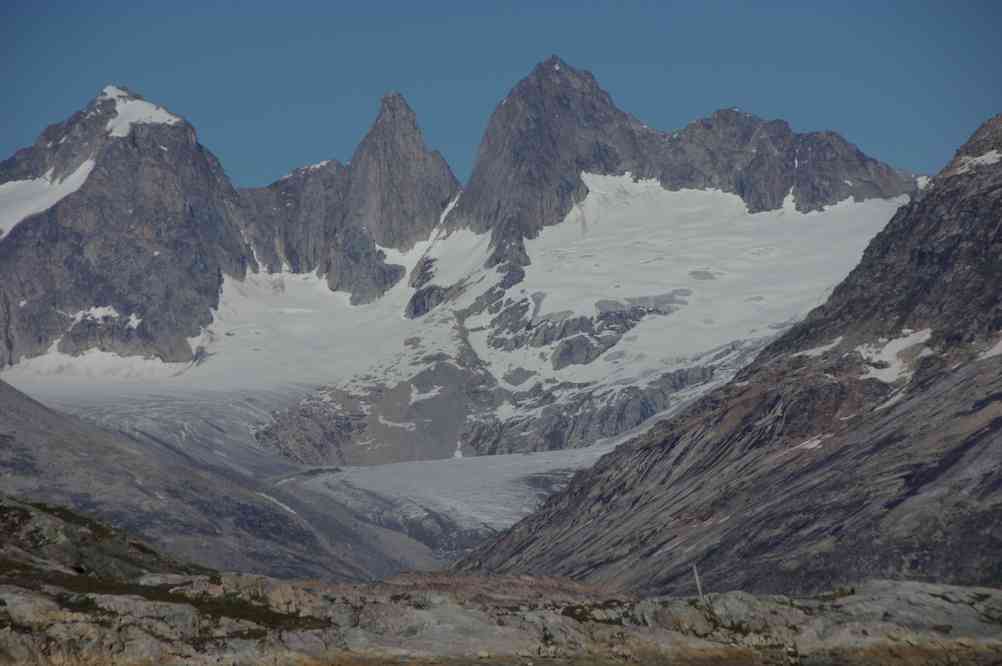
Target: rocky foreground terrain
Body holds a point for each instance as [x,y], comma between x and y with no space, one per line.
[75,591]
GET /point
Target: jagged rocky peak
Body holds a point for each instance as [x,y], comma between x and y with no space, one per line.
[765,161]
[334,218]
[63,147]
[558,122]
[125,225]
[553,76]
[393,108]
[399,187]
[553,124]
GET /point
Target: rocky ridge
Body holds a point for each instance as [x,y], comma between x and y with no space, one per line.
[558,122]
[123,227]
[334,219]
[864,442]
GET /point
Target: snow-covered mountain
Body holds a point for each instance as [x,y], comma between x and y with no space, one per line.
[592,274]
[592,271]
[864,442]
[119,230]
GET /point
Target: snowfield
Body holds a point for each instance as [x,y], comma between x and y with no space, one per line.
[130,111]
[730,274]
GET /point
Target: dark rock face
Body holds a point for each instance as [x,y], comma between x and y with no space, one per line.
[292,221]
[150,233]
[809,469]
[399,188]
[558,122]
[330,218]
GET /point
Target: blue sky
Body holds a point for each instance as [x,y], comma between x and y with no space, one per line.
[272,86]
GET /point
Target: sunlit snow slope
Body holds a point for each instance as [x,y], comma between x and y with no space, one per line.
[731,275]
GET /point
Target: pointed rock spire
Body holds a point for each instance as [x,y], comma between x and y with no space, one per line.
[399,187]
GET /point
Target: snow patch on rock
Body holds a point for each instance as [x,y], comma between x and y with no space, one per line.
[419,396]
[996,350]
[282,505]
[814,442]
[20,199]
[889,353]
[130,111]
[822,350]
[967,163]
[397,424]
[96,313]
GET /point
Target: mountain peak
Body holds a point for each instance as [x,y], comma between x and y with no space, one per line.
[554,63]
[394,107]
[111,91]
[733,114]
[555,72]
[399,186]
[131,108]
[983,149]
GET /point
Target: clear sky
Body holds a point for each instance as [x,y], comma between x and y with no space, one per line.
[275,85]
